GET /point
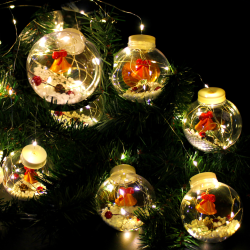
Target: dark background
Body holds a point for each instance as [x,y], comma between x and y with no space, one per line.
[212,38]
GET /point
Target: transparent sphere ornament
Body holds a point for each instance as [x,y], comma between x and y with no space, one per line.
[211,211]
[140,70]
[212,122]
[63,67]
[21,169]
[88,115]
[120,195]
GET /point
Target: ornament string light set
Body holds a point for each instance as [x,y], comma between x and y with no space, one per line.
[140,70]
[211,211]
[212,122]
[121,195]
[65,68]
[21,169]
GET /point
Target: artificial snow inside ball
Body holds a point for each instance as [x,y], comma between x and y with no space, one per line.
[64,67]
[211,211]
[88,115]
[140,70]
[212,122]
[122,194]
[21,168]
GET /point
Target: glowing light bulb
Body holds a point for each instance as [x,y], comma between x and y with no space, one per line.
[195,163]
[206,86]
[87,107]
[12,6]
[10,92]
[49,80]
[121,191]
[153,206]
[110,187]
[123,212]
[14,21]
[237,226]
[42,42]
[123,156]
[141,27]
[34,143]
[12,153]
[82,12]
[65,39]
[127,50]
[96,61]
[69,71]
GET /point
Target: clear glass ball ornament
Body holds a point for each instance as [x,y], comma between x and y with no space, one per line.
[211,211]
[63,67]
[212,122]
[88,115]
[140,70]
[21,168]
[120,195]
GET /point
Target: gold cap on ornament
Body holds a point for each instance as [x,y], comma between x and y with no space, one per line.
[141,42]
[123,168]
[211,95]
[202,178]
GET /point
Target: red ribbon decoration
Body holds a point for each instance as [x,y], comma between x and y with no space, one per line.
[29,170]
[140,63]
[128,190]
[59,54]
[203,116]
[207,197]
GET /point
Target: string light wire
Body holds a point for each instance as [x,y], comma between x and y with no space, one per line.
[141,25]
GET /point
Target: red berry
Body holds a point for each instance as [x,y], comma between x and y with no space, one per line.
[39,188]
[37,80]
[202,134]
[70,92]
[108,214]
[16,175]
[58,113]
[138,219]
[134,88]
[157,88]
[228,216]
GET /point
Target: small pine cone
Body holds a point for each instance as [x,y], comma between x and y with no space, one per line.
[59,88]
